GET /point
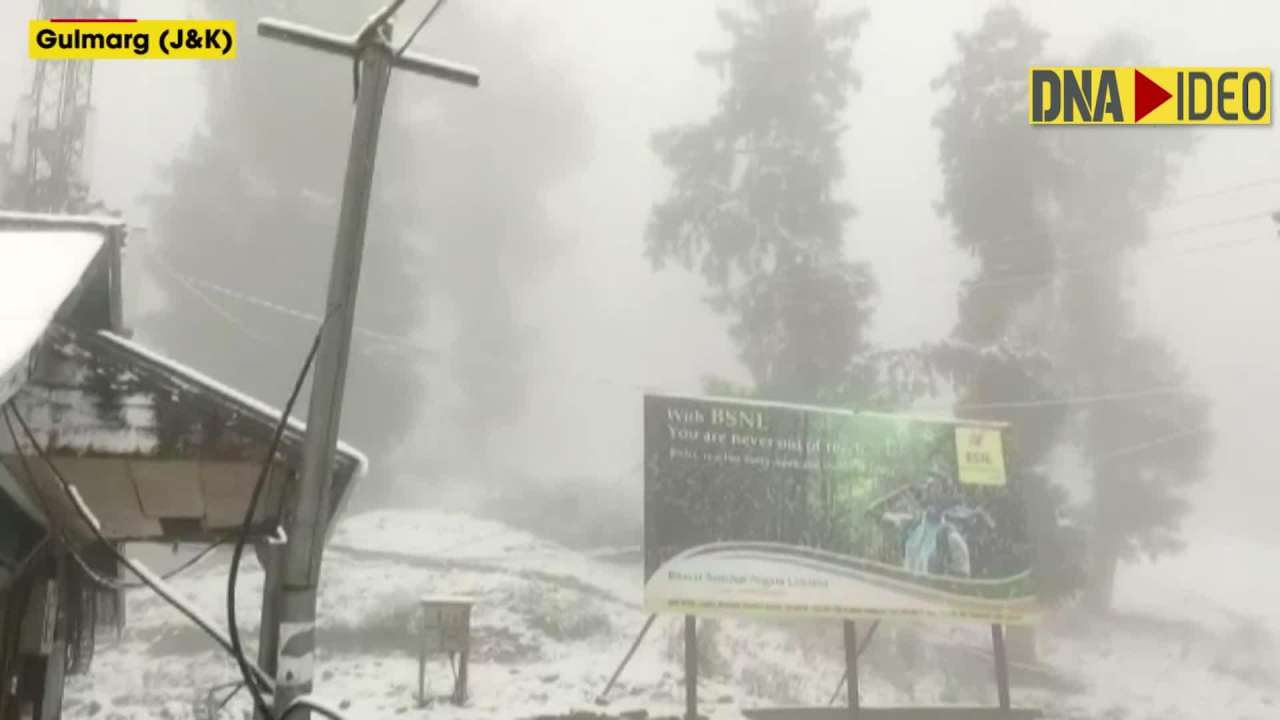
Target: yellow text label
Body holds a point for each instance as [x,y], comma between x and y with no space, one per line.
[1149,96]
[117,39]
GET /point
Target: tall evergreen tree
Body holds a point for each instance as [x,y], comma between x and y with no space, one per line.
[1051,218]
[752,203]
[1144,450]
[1000,178]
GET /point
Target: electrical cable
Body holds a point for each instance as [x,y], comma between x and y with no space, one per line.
[195,559]
[1101,259]
[242,536]
[58,532]
[366,34]
[409,345]
[432,353]
[146,576]
[191,281]
[234,691]
[426,19]
[1187,199]
[1155,442]
[28,478]
[1070,401]
[1158,391]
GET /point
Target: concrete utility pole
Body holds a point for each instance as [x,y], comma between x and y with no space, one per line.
[308,527]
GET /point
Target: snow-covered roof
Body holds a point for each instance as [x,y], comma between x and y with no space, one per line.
[230,394]
[13,220]
[39,270]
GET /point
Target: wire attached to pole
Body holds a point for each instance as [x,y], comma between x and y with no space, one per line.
[367,35]
[143,574]
[241,538]
[426,19]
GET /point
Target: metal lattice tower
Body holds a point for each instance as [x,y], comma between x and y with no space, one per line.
[44,166]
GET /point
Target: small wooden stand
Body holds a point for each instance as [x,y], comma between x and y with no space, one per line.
[446,628]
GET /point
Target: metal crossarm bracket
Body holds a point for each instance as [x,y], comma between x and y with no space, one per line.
[350,47]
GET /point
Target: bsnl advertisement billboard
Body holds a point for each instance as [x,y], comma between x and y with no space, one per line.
[772,509]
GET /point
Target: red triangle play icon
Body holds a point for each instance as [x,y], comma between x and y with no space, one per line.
[1147,95]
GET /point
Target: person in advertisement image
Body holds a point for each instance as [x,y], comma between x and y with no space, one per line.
[936,524]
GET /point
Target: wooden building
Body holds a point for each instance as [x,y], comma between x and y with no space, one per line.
[156,450]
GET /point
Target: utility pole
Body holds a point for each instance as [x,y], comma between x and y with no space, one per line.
[370,49]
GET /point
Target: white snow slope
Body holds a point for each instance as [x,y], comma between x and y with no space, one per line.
[551,625]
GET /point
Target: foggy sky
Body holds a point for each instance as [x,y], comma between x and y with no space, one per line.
[607,326]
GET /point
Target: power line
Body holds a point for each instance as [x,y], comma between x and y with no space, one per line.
[146,576]
[192,283]
[426,19]
[1079,268]
[1188,199]
[1162,390]
[1155,442]
[506,365]
[993,281]
[237,650]
[397,341]
[409,344]
[1213,224]
[1158,391]
[222,313]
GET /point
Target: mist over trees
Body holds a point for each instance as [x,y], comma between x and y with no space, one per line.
[752,205]
[1051,218]
[1141,450]
[252,203]
[999,177]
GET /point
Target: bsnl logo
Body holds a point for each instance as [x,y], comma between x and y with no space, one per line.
[1149,96]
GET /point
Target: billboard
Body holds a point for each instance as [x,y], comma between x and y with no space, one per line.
[787,510]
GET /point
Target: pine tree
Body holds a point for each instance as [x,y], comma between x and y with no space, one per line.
[1052,217]
[752,203]
[1144,450]
[1000,178]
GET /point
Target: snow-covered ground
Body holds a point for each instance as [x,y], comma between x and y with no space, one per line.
[551,625]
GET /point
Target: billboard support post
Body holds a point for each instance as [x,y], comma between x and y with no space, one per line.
[690,667]
[851,666]
[626,659]
[1002,666]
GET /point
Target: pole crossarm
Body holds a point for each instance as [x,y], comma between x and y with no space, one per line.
[351,46]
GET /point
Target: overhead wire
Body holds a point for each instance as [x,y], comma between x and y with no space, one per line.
[433,353]
[421,24]
[365,37]
[1155,442]
[56,528]
[1219,192]
[242,537]
[990,281]
[1160,390]
[60,533]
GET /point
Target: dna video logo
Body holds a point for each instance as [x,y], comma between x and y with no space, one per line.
[1149,96]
